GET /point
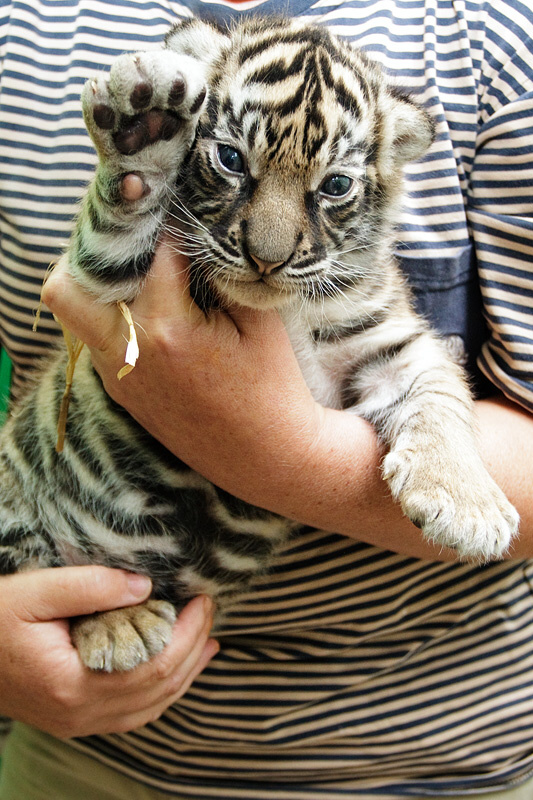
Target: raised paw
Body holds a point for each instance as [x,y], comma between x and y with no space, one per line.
[456,505]
[122,639]
[148,98]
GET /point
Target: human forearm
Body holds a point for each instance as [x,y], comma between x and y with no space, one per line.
[506,441]
[334,481]
[227,396]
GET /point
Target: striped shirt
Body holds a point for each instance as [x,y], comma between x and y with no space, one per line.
[349,671]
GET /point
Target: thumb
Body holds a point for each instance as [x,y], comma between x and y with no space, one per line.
[166,290]
[259,325]
[49,594]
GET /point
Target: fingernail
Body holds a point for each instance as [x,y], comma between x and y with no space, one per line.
[139,585]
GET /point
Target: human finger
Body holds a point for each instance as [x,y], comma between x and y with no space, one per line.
[165,691]
[166,290]
[71,591]
[95,323]
[151,708]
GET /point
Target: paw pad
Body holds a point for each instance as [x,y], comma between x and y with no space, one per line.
[148,98]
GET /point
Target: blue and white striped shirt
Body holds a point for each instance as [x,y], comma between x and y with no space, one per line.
[350,671]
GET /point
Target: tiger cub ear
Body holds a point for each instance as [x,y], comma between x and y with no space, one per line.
[410,130]
[203,41]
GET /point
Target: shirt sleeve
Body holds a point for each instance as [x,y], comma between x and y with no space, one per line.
[500,213]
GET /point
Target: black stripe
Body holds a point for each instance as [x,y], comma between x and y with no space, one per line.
[230,120]
[286,133]
[332,232]
[213,105]
[99,224]
[9,564]
[311,37]
[289,106]
[347,329]
[233,252]
[197,103]
[238,508]
[108,272]
[271,130]
[315,131]
[249,544]
[102,204]
[202,291]
[390,351]
[277,71]
[317,254]
[107,189]
[252,134]
[15,536]
[325,70]
[349,393]
[376,139]
[347,99]
[258,47]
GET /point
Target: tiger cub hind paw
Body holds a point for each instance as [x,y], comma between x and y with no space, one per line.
[463,510]
[122,639]
[149,97]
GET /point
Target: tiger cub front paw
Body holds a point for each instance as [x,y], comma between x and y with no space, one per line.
[457,505]
[149,99]
[121,639]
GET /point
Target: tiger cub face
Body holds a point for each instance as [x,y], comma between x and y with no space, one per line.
[295,174]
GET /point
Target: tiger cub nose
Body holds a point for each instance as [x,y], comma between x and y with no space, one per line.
[266,267]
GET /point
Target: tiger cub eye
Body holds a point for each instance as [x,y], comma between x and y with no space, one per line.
[230,158]
[337,186]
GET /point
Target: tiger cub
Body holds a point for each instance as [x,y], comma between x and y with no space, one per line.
[277,151]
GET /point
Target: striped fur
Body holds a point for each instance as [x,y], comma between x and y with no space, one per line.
[274,153]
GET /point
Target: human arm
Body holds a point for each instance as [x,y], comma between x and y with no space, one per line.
[328,472]
[43,681]
[225,394]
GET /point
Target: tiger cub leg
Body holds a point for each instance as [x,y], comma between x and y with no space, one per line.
[420,404]
[142,120]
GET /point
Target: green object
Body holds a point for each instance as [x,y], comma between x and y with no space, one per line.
[5,384]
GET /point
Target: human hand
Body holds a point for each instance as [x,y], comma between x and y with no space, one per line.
[44,683]
[224,392]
